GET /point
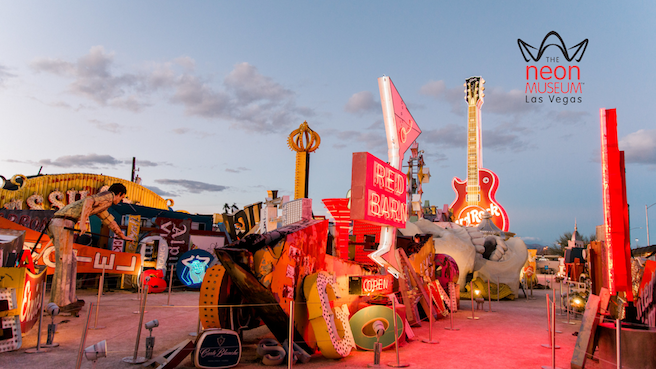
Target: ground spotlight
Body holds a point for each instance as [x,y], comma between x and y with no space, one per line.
[152,324]
[95,352]
[150,341]
[53,310]
[378,327]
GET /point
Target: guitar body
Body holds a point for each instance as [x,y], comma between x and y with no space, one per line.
[470,214]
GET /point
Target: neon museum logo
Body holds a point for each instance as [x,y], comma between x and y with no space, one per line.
[558,81]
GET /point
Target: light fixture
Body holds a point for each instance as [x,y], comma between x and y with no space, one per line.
[150,340]
[378,327]
[152,324]
[53,310]
[95,352]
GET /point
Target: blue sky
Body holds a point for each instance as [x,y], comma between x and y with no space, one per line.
[204,94]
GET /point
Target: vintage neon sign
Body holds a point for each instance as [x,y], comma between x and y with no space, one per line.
[192,266]
[614,204]
[371,285]
[50,192]
[378,192]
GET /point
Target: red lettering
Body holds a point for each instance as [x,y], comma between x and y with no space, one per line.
[374,203]
[578,72]
[400,184]
[528,68]
[389,180]
[546,70]
[379,174]
[556,72]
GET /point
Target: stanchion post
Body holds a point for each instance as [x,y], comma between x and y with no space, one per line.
[560,295]
[168,299]
[618,342]
[498,289]
[548,324]
[83,338]
[489,296]
[553,300]
[551,325]
[290,349]
[396,338]
[568,305]
[552,337]
[38,348]
[471,292]
[451,311]
[139,284]
[101,284]
[430,323]
[134,359]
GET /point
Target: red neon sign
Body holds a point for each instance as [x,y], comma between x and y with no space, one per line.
[614,203]
[371,284]
[377,284]
[378,192]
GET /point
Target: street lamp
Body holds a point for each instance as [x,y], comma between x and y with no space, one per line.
[636,239]
[647,218]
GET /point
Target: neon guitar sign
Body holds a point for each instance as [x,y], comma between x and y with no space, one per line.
[476,195]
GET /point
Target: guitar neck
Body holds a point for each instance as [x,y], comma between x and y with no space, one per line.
[473,188]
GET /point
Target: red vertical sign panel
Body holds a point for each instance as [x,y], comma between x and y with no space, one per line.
[615,206]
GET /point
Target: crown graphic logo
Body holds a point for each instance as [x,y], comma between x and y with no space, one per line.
[580,47]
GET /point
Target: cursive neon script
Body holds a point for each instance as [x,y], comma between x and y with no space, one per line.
[212,352]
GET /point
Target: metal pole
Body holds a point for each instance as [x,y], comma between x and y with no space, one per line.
[618,342]
[568,305]
[142,291]
[647,219]
[396,338]
[139,284]
[83,338]
[451,312]
[38,349]
[560,294]
[290,349]
[471,290]
[553,335]
[143,310]
[498,289]
[552,338]
[548,324]
[489,296]
[101,285]
[553,300]
[134,359]
[168,300]
[430,323]
[551,324]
